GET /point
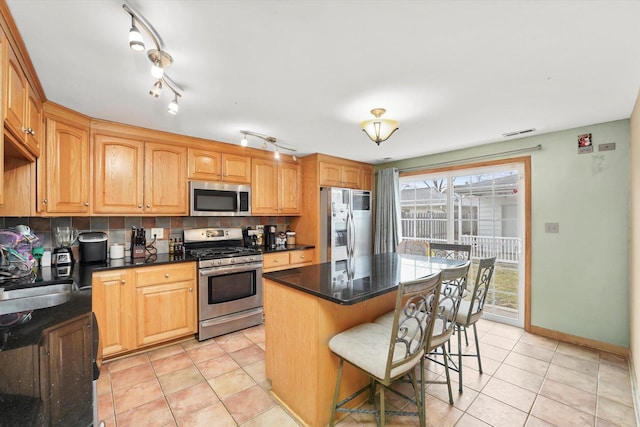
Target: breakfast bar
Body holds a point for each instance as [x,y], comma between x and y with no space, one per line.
[304,307]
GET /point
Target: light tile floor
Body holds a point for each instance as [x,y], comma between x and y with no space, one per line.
[528,381]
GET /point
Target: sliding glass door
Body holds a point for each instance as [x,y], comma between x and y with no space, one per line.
[483,207]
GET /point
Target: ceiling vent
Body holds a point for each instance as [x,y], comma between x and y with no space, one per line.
[519,132]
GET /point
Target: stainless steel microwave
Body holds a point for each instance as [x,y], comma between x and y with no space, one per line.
[217,199]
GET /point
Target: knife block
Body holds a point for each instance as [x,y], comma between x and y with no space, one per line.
[137,251]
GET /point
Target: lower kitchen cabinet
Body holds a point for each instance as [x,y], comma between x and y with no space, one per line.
[165,303]
[286,259]
[112,299]
[66,373]
[141,306]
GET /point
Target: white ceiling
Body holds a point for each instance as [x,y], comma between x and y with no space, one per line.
[453,73]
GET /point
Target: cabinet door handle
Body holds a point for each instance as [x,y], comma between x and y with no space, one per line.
[276,260]
[86,203]
[148,206]
[190,289]
[45,201]
[166,275]
[122,282]
[139,206]
[301,256]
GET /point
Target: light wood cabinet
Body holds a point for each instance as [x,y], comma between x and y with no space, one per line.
[333,174]
[134,177]
[276,188]
[64,168]
[165,179]
[22,111]
[210,165]
[113,305]
[141,306]
[165,303]
[287,259]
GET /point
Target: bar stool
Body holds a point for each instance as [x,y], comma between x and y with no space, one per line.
[470,312]
[387,354]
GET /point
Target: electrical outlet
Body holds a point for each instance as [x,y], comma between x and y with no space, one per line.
[259,227]
[159,233]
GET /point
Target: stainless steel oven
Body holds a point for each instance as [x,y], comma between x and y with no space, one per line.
[229,280]
[230,298]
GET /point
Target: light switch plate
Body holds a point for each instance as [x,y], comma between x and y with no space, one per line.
[609,146]
[551,227]
[159,233]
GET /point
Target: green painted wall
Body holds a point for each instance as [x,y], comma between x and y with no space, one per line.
[580,276]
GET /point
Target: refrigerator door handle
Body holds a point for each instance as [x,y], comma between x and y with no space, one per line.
[350,235]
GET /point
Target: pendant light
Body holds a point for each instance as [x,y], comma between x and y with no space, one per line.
[378,129]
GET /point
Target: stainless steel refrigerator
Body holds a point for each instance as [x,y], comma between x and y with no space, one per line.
[346,230]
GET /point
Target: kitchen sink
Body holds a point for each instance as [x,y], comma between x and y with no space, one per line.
[48,294]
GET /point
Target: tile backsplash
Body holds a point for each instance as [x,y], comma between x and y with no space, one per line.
[118,228]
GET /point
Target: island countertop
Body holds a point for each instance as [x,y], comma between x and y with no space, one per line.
[348,282]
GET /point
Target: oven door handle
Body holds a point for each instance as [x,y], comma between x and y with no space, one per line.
[218,271]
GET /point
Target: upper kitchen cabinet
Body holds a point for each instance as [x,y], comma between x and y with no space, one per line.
[208,165]
[133,177]
[276,188]
[22,110]
[336,172]
[118,175]
[165,182]
[64,167]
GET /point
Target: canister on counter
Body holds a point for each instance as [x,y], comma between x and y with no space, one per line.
[291,238]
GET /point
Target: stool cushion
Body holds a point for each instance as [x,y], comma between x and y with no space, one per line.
[367,346]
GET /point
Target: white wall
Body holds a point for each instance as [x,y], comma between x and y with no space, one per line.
[580,276]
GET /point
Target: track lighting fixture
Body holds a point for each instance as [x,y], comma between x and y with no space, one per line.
[270,140]
[159,57]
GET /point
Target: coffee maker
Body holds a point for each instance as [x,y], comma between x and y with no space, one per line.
[270,236]
[64,238]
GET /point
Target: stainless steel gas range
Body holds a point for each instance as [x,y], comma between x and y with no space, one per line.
[229,280]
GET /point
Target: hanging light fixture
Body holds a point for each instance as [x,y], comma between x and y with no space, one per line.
[266,141]
[378,129]
[159,57]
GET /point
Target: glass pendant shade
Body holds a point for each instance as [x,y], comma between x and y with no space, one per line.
[378,129]
[173,107]
[135,38]
[157,71]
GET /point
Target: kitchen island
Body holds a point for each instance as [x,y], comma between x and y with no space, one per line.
[304,307]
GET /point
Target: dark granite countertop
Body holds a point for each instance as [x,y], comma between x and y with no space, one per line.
[285,248]
[372,276]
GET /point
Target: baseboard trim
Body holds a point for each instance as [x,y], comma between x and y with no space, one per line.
[573,339]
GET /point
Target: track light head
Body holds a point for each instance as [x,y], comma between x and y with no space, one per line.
[135,38]
[244,141]
[173,106]
[156,90]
